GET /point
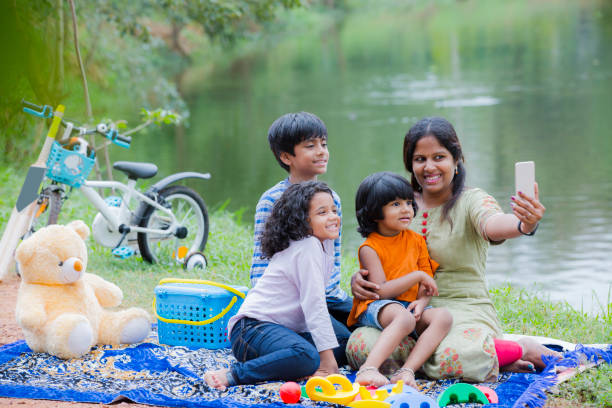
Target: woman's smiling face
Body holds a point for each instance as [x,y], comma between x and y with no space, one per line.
[433,166]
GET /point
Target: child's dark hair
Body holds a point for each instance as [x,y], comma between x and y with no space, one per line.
[292,129]
[376,191]
[445,134]
[289,218]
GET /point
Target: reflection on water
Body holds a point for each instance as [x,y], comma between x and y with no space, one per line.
[519,80]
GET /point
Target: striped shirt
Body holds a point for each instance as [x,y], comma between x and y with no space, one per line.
[259,264]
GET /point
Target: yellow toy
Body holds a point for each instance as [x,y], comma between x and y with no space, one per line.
[60,307]
[328,392]
[376,401]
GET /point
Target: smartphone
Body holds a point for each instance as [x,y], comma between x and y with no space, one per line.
[524,178]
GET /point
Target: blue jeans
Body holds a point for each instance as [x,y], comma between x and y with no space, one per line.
[370,316]
[267,351]
[339,312]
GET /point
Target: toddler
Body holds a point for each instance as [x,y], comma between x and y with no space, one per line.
[398,261]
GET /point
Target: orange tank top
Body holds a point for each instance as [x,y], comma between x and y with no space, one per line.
[399,255]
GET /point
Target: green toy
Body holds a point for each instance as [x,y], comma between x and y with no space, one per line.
[460,393]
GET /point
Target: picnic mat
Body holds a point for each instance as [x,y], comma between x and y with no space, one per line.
[154,374]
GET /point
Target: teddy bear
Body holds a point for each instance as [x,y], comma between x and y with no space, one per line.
[60,307]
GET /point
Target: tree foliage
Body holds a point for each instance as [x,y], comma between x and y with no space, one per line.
[128,67]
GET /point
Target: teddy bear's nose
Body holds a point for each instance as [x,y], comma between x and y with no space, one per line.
[71,269]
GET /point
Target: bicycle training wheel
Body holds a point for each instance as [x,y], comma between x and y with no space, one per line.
[190,212]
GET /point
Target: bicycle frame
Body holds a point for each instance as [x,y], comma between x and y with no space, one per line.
[88,190]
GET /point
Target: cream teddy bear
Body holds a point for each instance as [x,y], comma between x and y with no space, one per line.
[60,307]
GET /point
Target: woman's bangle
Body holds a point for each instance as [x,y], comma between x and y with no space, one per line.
[532,233]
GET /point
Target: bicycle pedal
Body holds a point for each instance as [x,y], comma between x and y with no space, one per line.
[123,252]
[113,201]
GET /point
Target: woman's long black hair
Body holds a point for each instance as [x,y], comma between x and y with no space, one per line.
[376,191]
[289,218]
[444,132]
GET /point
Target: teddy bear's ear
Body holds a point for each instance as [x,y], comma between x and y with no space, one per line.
[80,228]
[25,251]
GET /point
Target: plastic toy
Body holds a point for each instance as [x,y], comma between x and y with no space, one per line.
[400,396]
[411,400]
[328,391]
[369,404]
[372,389]
[489,393]
[370,397]
[461,392]
[290,392]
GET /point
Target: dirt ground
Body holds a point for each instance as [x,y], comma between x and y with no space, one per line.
[10,332]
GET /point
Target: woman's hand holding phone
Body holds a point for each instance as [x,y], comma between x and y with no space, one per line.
[526,204]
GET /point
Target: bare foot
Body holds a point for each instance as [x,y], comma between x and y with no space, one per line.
[323,373]
[533,351]
[407,376]
[217,379]
[371,376]
[519,366]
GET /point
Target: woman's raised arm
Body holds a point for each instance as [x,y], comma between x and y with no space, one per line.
[526,214]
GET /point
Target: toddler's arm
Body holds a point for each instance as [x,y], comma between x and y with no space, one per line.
[393,288]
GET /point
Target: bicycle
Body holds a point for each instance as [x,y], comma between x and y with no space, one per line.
[171,221]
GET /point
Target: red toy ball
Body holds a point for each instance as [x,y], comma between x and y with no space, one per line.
[290,392]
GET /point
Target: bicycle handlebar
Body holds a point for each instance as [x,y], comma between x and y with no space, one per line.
[46,111]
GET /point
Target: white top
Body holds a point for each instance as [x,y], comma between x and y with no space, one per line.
[291,292]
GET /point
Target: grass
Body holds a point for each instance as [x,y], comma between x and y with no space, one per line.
[229,254]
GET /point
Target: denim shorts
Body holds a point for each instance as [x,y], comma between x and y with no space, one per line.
[370,316]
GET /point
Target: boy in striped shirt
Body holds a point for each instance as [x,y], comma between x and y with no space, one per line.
[299,144]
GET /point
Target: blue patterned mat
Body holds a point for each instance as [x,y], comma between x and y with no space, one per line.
[173,376]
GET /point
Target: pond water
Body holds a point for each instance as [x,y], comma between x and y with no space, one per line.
[519,80]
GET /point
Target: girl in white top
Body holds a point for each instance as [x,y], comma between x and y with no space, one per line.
[283,330]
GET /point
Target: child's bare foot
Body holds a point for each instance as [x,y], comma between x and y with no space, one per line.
[217,379]
[533,351]
[406,375]
[370,376]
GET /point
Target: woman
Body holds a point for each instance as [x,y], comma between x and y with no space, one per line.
[459,223]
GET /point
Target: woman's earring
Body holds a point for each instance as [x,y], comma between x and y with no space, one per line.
[456,170]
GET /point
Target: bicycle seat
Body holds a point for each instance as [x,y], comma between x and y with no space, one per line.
[135,170]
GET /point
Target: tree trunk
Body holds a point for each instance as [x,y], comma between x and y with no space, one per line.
[60,46]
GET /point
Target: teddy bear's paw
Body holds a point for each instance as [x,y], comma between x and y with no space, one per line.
[80,339]
[69,336]
[135,330]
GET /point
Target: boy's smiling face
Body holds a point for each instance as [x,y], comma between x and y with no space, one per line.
[309,159]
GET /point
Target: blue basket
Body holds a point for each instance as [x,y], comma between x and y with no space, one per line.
[68,167]
[195,313]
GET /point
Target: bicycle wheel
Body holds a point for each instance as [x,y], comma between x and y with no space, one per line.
[190,211]
[49,206]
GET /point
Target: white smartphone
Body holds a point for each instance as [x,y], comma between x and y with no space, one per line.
[524,178]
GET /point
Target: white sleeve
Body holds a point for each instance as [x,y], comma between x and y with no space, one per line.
[309,276]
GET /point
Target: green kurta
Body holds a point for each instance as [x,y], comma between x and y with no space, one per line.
[468,351]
